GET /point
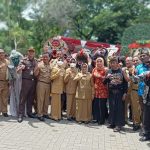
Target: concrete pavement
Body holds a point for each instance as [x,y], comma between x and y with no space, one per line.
[32,134]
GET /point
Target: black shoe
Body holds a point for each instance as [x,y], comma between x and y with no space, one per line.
[86,122]
[111,126]
[20,119]
[79,122]
[117,129]
[69,119]
[94,121]
[73,118]
[5,115]
[24,116]
[31,116]
[34,113]
[100,123]
[57,120]
[136,127]
[126,122]
[41,118]
[141,134]
[144,138]
[130,119]
[46,116]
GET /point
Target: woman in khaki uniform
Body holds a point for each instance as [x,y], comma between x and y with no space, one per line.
[70,86]
[57,88]
[84,95]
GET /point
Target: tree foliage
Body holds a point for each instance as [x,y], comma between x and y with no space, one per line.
[107,19]
[32,22]
[139,32]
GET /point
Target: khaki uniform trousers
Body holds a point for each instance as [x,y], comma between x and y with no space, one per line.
[56,106]
[127,103]
[43,91]
[136,111]
[4,94]
[83,110]
[71,105]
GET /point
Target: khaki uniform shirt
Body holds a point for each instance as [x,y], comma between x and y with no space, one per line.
[85,86]
[44,72]
[131,84]
[4,70]
[69,81]
[57,78]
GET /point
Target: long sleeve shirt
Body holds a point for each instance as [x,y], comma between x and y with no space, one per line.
[140,69]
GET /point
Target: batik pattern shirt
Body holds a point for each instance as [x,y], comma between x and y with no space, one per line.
[101,90]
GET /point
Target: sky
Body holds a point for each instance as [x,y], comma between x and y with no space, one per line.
[3,26]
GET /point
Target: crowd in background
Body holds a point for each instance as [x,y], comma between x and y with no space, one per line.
[99,91]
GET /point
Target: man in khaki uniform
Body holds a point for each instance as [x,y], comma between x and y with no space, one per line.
[71,89]
[57,88]
[43,87]
[132,95]
[3,83]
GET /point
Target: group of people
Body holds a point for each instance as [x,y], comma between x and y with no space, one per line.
[87,92]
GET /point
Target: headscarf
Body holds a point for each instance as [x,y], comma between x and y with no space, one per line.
[96,55]
[100,58]
[85,65]
[15,57]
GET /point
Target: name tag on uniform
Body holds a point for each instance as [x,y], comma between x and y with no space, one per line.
[31,72]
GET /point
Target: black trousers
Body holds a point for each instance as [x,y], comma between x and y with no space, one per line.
[63,101]
[27,96]
[146,119]
[116,108]
[99,109]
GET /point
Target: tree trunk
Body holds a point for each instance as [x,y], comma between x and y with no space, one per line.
[15,43]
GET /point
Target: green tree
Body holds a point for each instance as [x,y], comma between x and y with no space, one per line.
[107,19]
[134,33]
[12,16]
[50,19]
[104,20]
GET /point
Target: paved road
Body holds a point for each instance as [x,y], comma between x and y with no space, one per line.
[50,135]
